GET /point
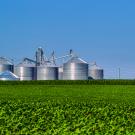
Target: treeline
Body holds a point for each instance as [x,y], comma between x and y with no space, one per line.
[70,82]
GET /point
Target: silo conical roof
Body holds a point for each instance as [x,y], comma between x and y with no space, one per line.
[76,60]
[25,65]
[7,75]
[95,66]
[5,61]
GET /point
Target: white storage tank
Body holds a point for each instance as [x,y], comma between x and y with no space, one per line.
[47,72]
[61,73]
[95,72]
[26,70]
[75,69]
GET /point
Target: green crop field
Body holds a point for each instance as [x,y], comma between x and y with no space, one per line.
[67,109]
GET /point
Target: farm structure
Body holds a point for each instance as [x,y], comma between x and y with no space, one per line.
[44,68]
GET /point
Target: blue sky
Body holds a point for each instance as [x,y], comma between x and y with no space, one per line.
[97,30]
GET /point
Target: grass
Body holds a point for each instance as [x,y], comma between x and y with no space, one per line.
[67,109]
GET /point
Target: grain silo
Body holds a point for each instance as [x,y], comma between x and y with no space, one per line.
[47,72]
[26,70]
[95,72]
[75,69]
[6,65]
[61,73]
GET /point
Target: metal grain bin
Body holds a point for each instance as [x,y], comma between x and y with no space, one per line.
[25,71]
[95,72]
[75,69]
[6,65]
[46,72]
[61,73]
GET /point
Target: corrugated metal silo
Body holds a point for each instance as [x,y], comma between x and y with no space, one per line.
[75,69]
[96,72]
[47,72]
[61,73]
[26,71]
[6,65]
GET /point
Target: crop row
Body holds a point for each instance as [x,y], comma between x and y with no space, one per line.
[70,82]
[66,109]
[65,116]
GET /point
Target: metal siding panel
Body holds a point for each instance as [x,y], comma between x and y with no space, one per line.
[5,67]
[26,73]
[75,71]
[47,73]
[60,73]
[96,74]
